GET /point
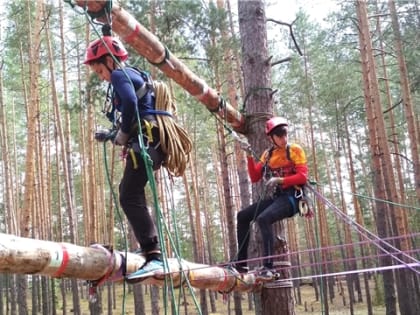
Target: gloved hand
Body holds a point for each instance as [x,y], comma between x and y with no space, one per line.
[246,147]
[103,135]
[121,138]
[273,182]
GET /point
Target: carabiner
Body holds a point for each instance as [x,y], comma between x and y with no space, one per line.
[298,192]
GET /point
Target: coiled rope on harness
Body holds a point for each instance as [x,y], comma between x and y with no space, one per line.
[174,139]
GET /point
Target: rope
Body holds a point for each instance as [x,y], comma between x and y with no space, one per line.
[377,241]
[174,139]
[356,271]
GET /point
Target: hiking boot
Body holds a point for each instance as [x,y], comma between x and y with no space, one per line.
[241,269]
[147,270]
[265,274]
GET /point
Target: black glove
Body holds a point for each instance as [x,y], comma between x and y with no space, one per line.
[103,135]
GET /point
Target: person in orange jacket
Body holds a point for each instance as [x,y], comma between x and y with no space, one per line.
[283,167]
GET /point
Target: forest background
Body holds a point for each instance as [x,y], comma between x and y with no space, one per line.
[59,184]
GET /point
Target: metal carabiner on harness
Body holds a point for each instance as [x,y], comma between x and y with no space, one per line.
[298,192]
[303,207]
[302,201]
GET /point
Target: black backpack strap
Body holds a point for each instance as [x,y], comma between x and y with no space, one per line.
[266,169]
[288,152]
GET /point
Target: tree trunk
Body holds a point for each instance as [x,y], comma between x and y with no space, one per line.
[6,156]
[358,214]
[139,306]
[257,86]
[323,283]
[372,109]
[234,84]
[412,131]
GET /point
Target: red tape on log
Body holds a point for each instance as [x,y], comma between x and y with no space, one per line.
[130,37]
[64,261]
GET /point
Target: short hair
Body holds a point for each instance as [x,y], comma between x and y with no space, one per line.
[279,131]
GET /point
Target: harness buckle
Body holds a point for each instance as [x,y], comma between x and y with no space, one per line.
[148,126]
[298,192]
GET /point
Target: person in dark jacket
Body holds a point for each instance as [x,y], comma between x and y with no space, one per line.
[132,99]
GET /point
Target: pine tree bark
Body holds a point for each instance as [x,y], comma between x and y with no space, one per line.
[257,86]
[323,231]
[9,196]
[372,104]
[359,216]
[413,132]
[234,84]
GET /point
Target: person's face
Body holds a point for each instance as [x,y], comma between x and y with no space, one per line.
[280,141]
[102,70]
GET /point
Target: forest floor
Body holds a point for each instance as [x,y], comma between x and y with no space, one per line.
[308,306]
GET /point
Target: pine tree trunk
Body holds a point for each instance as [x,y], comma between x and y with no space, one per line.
[321,216]
[372,103]
[154,300]
[139,306]
[209,232]
[412,130]
[9,195]
[257,83]
[199,251]
[232,69]
[359,216]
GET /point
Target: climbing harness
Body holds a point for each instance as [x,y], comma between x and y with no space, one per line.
[174,140]
[147,85]
[304,203]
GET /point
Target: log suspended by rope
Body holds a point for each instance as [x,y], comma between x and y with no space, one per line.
[99,263]
[149,46]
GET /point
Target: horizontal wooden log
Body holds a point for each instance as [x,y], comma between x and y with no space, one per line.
[201,276]
[20,255]
[30,256]
[148,45]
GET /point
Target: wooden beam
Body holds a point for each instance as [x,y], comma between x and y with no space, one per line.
[31,256]
[149,46]
[64,260]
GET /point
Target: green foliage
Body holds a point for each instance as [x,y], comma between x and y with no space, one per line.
[322,89]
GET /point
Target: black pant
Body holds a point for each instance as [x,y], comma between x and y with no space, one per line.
[265,213]
[133,199]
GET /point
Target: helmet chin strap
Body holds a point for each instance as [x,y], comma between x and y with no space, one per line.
[115,66]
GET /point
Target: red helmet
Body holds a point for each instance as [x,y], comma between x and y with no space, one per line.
[273,123]
[104,46]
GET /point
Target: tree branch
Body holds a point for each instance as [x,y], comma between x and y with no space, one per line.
[290,31]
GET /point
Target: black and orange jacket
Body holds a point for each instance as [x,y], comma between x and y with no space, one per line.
[291,166]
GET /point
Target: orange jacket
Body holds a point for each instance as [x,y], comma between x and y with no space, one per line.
[293,169]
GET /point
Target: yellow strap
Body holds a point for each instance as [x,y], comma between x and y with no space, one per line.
[149,127]
[133,157]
